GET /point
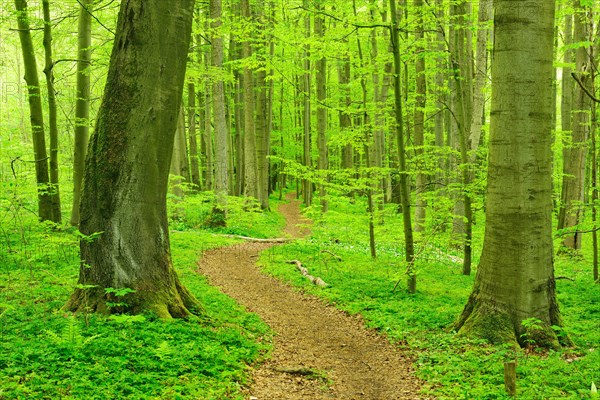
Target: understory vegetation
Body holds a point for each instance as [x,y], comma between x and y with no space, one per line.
[451,367]
[46,352]
[49,353]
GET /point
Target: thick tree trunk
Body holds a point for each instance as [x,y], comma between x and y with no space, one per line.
[45,209]
[515,278]
[52,114]
[82,104]
[126,174]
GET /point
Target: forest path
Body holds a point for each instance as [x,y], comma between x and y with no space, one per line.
[319,351]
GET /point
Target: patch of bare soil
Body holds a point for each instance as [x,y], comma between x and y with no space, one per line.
[319,352]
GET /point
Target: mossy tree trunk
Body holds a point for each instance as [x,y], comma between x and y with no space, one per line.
[515,278]
[127,169]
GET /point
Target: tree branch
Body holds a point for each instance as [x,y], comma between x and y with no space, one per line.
[586,90]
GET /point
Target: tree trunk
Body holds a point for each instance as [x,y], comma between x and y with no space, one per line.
[193,139]
[405,194]
[82,104]
[515,278]
[218,98]
[572,198]
[321,82]
[419,118]
[45,207]
[566,107]
[251,166]
[126,175]
[179,165]
[485,11]
[306,117]
[52,114]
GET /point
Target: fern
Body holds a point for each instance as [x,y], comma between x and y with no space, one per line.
[70,335]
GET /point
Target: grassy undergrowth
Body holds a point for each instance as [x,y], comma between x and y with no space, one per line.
[46,352]
[451,367]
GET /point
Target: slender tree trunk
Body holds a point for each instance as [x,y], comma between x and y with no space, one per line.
[566,107]
[193,138]
[405,194]
[251,167]
[82,104]
[483,31]
[306,117]
[45,207]
[515,278]
[179,165]
[573,188]
[218,98]
[52,114]
[126,176]
[419,118]
[321,83]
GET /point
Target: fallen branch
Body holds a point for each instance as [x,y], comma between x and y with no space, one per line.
[256,240]
[332,255]
[566,278]
[315,280]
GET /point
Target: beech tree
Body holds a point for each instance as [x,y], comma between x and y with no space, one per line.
[515,278]
[82,106]
[123,205]
[46,206]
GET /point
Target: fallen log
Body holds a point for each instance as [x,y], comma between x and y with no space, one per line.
[315,280]
[255,240]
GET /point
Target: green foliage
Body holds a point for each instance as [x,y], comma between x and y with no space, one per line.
[243,216]
[46,353]
[453,367]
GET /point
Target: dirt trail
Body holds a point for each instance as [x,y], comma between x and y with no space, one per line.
[350,361]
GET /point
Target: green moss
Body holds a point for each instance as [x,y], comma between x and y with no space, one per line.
[489,324]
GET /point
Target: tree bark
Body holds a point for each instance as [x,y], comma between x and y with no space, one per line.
[251,166]
[219,116]
[193,138]
[52,114]
[573,187]
[82,104]
[419,118]
[126,174]
[515,278]
[45,208]
[306,116]
[405,194]
[321,83]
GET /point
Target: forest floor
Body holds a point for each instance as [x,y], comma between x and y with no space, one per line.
[319,351]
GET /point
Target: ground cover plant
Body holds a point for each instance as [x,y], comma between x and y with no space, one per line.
[451,367]
[46,352]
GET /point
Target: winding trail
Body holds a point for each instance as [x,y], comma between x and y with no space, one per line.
[350,361]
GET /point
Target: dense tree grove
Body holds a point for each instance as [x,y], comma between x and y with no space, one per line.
[453,118]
